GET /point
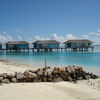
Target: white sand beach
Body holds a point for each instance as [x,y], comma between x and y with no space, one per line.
[83,90]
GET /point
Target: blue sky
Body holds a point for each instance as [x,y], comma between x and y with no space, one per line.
[49,19]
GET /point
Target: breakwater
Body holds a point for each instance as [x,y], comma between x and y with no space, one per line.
[47,74]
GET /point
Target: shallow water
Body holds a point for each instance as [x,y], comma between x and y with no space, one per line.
[90,60]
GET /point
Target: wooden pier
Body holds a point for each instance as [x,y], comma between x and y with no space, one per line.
[48,49]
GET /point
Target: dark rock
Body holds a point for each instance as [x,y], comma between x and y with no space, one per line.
[87,77]
[55,76]
[70,78]
[38,79]
[5,81]
[43,78]
[55,71]
[49,78]
[73,75]
[93,76]
[64,77]
[57,80]
[79,74]
[1,78]
[14,80]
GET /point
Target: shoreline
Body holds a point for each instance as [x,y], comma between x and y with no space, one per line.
[8,62]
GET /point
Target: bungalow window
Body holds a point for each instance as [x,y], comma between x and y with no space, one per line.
[69,45]
[11,46]
[45,45]
[79,44]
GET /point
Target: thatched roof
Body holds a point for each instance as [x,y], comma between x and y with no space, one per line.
[17,42]
[78,41]
[46,42]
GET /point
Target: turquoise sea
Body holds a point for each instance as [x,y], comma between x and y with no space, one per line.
[90,60]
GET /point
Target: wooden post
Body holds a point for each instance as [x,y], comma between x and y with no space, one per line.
[45,63]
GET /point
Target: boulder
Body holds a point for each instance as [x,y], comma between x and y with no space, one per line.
[44,78]
[38,79]
[78,68]
[57,80]
[10,75]
[47,71]
[19,76]
[39,71]
[73,75]
[55,71]
[4,75]
[79,78]
[70,78]
[87,77]
[61,70]
[30,75]
[5,81]
[55,76]
[64,77]
[70,69]
[93,76]
[1,78]
[14,80]
[49,78]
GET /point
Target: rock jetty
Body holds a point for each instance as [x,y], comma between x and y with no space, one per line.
[48,74]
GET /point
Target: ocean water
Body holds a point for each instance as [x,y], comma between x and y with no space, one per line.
[90,60]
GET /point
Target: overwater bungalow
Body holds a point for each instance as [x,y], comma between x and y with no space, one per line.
[17,45]
[79,45]
[46,45]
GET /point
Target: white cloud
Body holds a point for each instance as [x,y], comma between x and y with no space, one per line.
[94,36]
[4,37]
[98,30]
[10,38]
[36,37]
[19,37]
[86,36]
[70,36]
[57,37]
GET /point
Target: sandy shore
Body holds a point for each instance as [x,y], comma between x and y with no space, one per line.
[83,90]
